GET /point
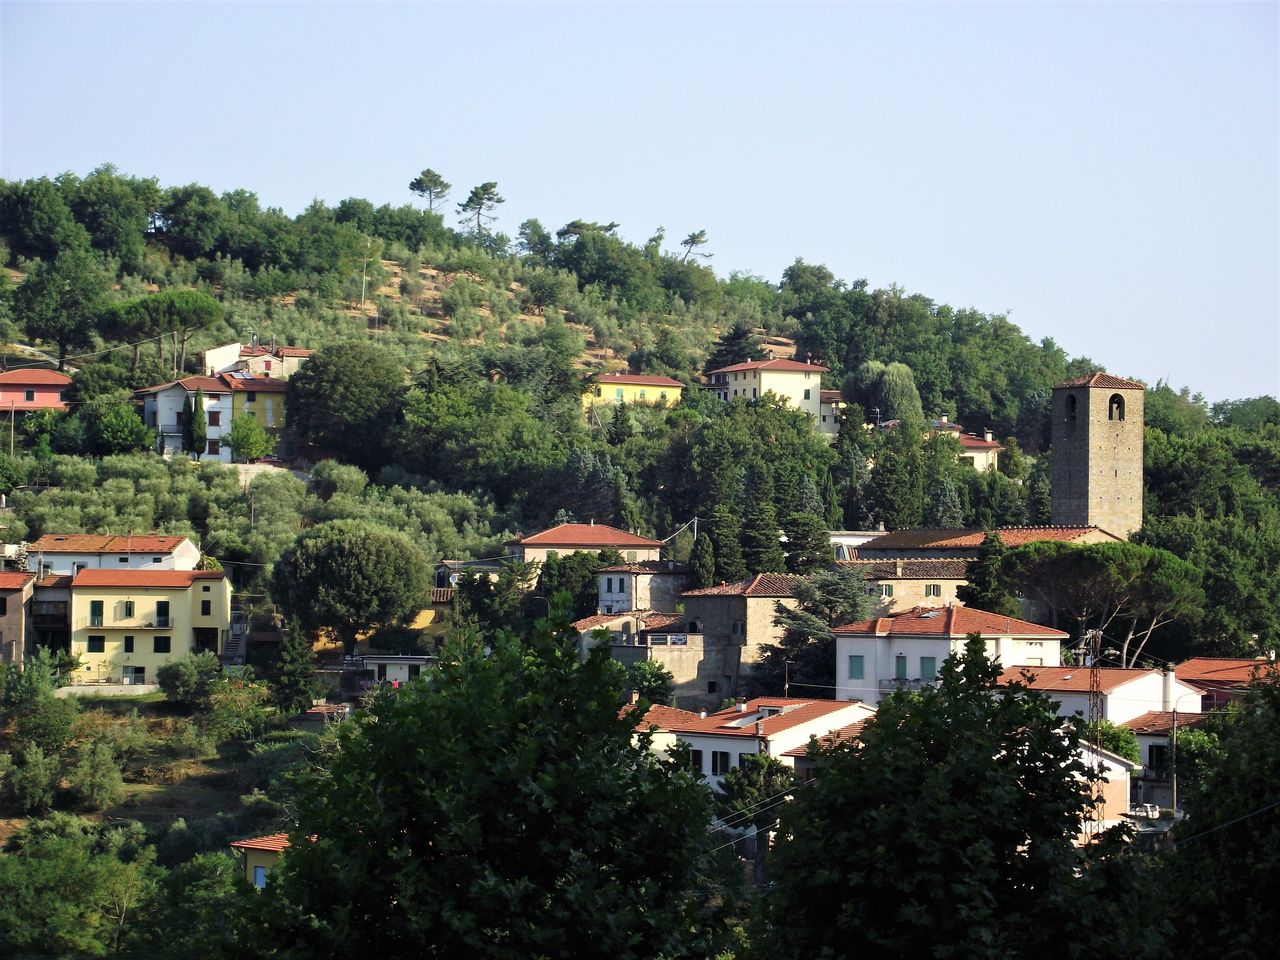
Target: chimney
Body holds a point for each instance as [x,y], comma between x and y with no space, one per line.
[635,696]
[897,568]
[881,527]
[759,728]
[742,704]
[593,521]
[702,714]
[1170,679]
[986,434]
[942,418]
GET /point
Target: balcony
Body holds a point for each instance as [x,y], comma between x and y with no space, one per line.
[132,623]
[658,640]
[904,683]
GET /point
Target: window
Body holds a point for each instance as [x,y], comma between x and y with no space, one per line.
[1071,406]
[631,556]
[215,418]
[807,392]
[31,395]
[123,559]
[711,686]
[155,559]
[96,644]
[250,396]
[128,644]
[215,448]
[744,759]
[1158,756]
[77,568]
[933,589]
[206,608]
[695,760]
[599,391]
[608,585]
[161,644]
[753,393]
[1035,661]
[205,588]
[720,761]
[95,613]
[663,396]
[162,613]
[855,666]
[641,394]
[900,667]
[260,877]
[1115,407]
[886,589]
[414,670]
[928,668]
[4,606]
[617,394]
[127,610]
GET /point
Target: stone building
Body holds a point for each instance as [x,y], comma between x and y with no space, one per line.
[1097,453]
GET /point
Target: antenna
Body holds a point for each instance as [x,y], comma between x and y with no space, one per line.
[1094,640]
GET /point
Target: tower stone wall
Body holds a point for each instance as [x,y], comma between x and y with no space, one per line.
[1096,476]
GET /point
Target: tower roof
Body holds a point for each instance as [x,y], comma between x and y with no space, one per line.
[1103,381]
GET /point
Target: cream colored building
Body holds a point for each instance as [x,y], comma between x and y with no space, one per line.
[900,585]
[127,624]
[258,856]
[643,585]
[799,384]
[831,412]
[570,538]
[981,453]
[610,389]
[923,542]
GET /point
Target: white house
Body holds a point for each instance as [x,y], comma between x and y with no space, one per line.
[162,409]
[280,362]
[773,725]
[874,657]
[799,384]
[1127,693]
[831,412]
[69,553]
[643,585]
[1154,730]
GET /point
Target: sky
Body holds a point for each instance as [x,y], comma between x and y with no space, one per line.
[1107,174]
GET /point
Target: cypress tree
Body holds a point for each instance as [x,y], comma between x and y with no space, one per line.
[896,487]
[945,509]
[199,430]
[295,674]
[726,535]
[761,549]
[620,427]
[188,422]
[702,562]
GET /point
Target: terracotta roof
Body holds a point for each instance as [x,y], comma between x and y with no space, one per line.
[925,538]
[971,442]
[55,581]
[15,581]
[761,585]
[850,734]
[245,384]
[1160,722]
[950,621]
[34,376]
[794,712]
[104,543]
[639,380]
[1104,380]
[144,578]
[1219,671]
[925,569]
[662,622]
[283,352]
[587,535]
[601,619]
[831,396]
[659,716]
[649,566]
[789,365]
[1072,679]
[190,384]
[274,842]
[442,594]
[260,351]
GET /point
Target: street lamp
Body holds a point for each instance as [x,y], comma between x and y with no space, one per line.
[1173,754]
[546,601]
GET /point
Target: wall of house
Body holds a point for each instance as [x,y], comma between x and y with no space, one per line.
[617,592]
[911,593]
[693,665]
[161,410]
[829,418]
[792,385]
[608,394]
[530,554]
[42,396]
[267,859]
[186,556]
[267,406]
[184,614]
[13,623]
[217,359]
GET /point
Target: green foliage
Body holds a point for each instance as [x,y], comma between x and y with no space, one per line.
[477,209]
[350,576]
[576,574]
[972,800]
[652,681]
[344,398]
[45,721]
[748,797]
[988,580]
[292,687]
[895,491]
[190,681]
[34,782]
[739,344]
[116,428]
[9,477]
[702,562]
[239,709]
[761,549]
[249,439]
[1119,740]
[431,185]
[60,300]
[384,809]
[95,778]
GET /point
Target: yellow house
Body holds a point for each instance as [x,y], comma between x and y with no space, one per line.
[260,397]
[798,384]
[613,388]
[127,624]
[258,855]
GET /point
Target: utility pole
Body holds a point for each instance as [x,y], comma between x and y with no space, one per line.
[364,272]
[11,416]
[1094,640]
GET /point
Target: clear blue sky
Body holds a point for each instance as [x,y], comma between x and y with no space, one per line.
[1105,172]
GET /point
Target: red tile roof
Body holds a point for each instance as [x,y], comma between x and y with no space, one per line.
[598,535]
[15,581]
[253,384]
[662,622]
[1159,723]
[104,543]
[677,567]
[1219,672]
[638,379]
[1102,380]
[850,734]
[35,377]
[659,716]
[761,585]
[274,842]
[831,396]
[970,442]
[924,569]
[794,712]
[55,581]
[789,365]
[283,352]
[924,538]
[949,622]
[190,384]
[1072,679]
[644,619]
[144,578]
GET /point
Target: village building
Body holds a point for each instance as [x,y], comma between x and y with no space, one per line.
[798,384]
[258,856]
[32,388]
[568,538]
[1223,679]
[16,591]
[610,389]
[69,553]
[1154,731]
[256,359]
[642,585]
[900,585]
[1127,693]
[941,543]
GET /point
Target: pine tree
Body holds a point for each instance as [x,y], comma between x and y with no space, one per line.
[988,582]
[808,543]
[945,509]
[293,684]
[726,535]
[761,549]
[738,345]
[1039,493]
[832,508]
[702,562]
[620,428]
[896,487]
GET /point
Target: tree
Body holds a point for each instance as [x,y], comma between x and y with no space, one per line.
[95,779]
[1119,740]
[249,439]
[726,535]
[479,205]
[34,782]
[749,798]
[808,542]
[738,344]
[702,562]
[761,548]
[652,681]
[345,398]
[350,576]
[987,586]
[116,428]
[696,239]
[895,491]
[190,681]
[620,428]
[545,851]
[972,797]
[431,185]
[293,685]
[46,721]
[60,301]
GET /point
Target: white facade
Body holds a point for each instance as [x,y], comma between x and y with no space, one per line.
[1151,691]
[162,409]
[620,590]
[185,557]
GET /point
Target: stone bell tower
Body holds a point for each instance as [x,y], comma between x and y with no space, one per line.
[1097,454]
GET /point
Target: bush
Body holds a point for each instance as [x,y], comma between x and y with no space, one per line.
[46,723]
[186,740]
[33,784]
[189,682]
[238,710]
[95,779]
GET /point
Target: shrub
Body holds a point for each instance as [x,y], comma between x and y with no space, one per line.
[46,723]
[238,710]
[33,784]
[189,682]
[95,779]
